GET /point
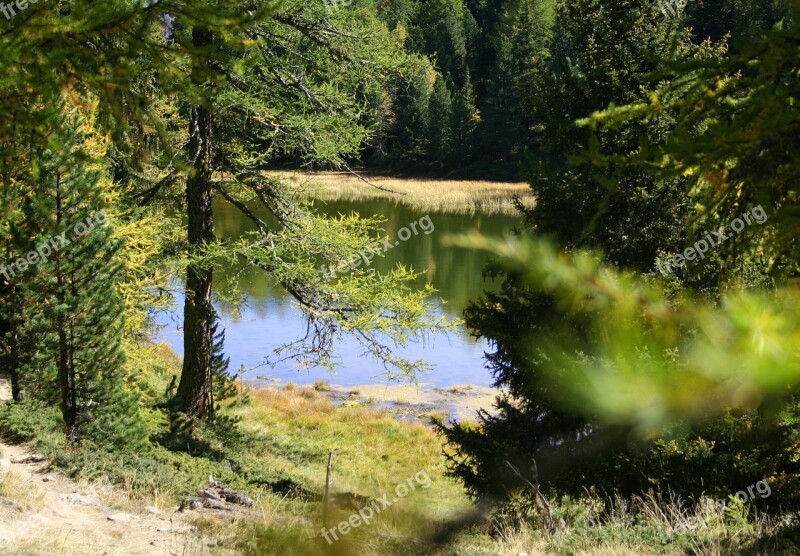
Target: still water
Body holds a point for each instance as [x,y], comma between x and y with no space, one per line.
[270,317]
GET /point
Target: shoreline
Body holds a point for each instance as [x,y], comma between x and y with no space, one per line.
[407,402]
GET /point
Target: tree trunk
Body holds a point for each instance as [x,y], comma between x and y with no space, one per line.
[66,379]
[194,390]
[9,325]
[13,365]
[66,382]
[10,344]
[9,337]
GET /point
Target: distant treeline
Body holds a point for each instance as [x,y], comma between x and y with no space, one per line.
[469,106]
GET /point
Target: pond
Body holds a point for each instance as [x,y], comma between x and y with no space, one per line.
[270,317]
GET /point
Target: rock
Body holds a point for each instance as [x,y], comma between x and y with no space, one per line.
[33,458]
[152,510]
[76,499]
[208,494]
[191,503]
[5,466]
[48,479]
[10,504]
[236,497]
[217,505]
[216,497]
[120,517]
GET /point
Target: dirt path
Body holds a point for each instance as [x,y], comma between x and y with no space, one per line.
[44,513]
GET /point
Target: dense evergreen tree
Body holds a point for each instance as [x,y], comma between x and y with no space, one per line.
[604,54]
[596,187]
[72,311]
[463,123]
[521,42]
[735,141]
[742,20]
[440,121]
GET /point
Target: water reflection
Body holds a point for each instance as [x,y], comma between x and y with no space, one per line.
[269,317]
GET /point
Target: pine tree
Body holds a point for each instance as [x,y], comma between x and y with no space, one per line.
[463,123]
[440,118]
[602,55]
[735,141]
[522,40]
[406,138]
[223,386]
[13,345]
[73,312]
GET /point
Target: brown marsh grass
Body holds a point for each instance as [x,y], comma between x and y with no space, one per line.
[426,195]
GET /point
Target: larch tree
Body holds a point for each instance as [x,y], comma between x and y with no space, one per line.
[306,84]
[195,388]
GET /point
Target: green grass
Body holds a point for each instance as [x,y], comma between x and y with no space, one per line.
[278,453]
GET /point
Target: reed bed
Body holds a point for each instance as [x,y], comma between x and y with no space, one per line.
[426,195]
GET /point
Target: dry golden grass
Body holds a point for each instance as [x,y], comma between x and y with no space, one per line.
[292,401]
[127,497]
[449,196]
[15,488]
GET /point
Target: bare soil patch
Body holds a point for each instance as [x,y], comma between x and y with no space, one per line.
[42,512]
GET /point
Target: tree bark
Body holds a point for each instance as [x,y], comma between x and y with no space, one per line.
[194,389]
[13,365]
[9,336]
[66,382]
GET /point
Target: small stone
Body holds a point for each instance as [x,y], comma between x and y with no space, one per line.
[152,510]
[120,517]
[76,499]
[33,458]
[48,479]
[10,503]
[191,503]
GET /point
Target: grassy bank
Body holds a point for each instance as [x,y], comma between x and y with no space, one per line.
[449,196]
[274,444]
